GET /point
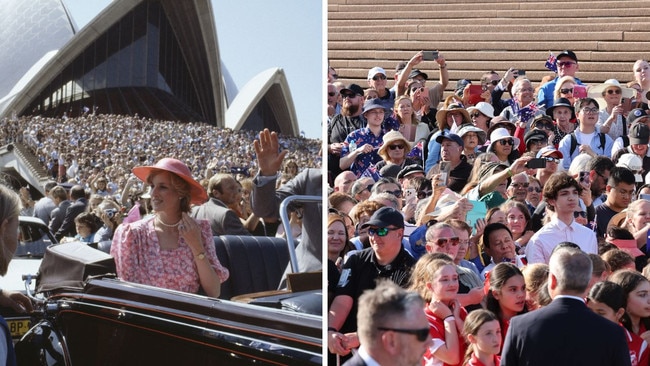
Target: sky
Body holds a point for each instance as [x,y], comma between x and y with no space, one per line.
[255,35]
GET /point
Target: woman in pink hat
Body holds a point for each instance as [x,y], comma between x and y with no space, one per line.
[170,249]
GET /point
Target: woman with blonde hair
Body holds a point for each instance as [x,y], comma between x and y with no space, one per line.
[637,221]
[409,125]
[564,88]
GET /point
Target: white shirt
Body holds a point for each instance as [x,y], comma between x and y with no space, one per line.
[543,242]
[367,358]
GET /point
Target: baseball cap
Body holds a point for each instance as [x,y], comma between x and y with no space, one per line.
[632,162]
[629,246]
[549,151]
[354,88]
[416,72]
[635,114]
[535,135]
[450,136]
[639,134]
[569,54]
[410,169]
[374,71]
[385,217]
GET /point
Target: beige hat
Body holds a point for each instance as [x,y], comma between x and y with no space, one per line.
[388,139]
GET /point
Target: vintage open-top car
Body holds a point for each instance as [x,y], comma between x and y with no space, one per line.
[86,316]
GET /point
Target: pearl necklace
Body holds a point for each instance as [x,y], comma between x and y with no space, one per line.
[163,224]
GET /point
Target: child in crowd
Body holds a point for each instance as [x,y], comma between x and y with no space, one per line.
[483,334]
[608,299]
[506,296]
[637,294]
[436,281]
[535,277]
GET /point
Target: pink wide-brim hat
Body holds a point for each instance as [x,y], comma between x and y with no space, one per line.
[197,192]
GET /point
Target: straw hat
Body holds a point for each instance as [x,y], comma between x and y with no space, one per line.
[596,92]
[391,137]
[441,115]
[177,167]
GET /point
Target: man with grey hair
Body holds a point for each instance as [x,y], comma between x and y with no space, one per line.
[392,327]
[566,332]
[518,188]
[43,207]
[223,190]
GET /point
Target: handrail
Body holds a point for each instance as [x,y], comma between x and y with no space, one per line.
[284,216]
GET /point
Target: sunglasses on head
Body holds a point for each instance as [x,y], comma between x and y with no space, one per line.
[566,91]
[380,231]
[420,334]
[379,77]
[577,214]
[504,142]
[613,91]
[397,146]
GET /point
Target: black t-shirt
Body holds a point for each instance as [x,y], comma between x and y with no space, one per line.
[360,272]
[603,215]
[458,177]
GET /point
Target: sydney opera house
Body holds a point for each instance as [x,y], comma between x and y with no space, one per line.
[156,58]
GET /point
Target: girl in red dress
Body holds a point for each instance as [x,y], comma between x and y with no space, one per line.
[483,334]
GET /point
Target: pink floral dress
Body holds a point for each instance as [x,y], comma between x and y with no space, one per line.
[139,259]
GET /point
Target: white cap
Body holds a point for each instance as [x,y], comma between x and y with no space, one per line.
[374,71]
[632,162]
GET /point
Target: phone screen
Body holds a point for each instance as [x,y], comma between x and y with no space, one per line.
[445,168]
[429,55]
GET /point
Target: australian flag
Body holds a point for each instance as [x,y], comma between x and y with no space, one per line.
[551,63]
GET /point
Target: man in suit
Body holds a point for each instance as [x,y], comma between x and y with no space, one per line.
[61,202]
[265,199]
[566,332]
[79,204]
[393,329]
[44,207]
[223,190]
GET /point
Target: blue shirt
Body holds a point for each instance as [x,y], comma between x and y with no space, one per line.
[565,147]
[545,96]
[433,156]
[364,136]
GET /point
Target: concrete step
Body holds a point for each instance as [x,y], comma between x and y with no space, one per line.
[485,36]
[559,21]
[630,55]
[495,3]
[377,7]
[587,46]
[467,16]
[485,28]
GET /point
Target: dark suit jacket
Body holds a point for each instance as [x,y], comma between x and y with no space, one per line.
[266,202]
[356,360]
[67,227]
[566,332]
[57,216]
[223,220]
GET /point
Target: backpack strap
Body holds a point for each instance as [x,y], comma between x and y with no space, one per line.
[574,144]
[602,141]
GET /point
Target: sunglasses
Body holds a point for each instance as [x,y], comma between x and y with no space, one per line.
[545,126]
[552,160]
[424,194]
[577,214]
[420,334]
[566,63]
[416,89]
[348,95]
[587,110]
[381,231]
[331,94]
[396,193]
[475,115]
[504,142]
[534,189]
[566,91]
[379,77]
[613,91]
[443,242]
[393,147]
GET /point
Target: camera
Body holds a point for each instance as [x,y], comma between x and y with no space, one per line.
[110,212]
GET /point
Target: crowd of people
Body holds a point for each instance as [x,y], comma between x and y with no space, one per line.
[507,206]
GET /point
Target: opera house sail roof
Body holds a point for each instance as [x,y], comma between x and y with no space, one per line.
[154,58]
